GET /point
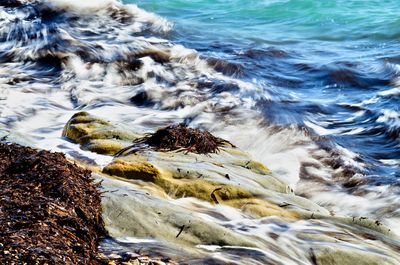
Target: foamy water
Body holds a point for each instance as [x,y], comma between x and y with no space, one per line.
[117,61]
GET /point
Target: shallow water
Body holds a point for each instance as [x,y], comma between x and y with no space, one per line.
[310,88]
[328,68]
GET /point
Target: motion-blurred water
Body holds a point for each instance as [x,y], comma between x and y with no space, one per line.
[331,66]
[311,88]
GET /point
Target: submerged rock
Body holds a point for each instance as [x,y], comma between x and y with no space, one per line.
[130,210]
[10,3]
[50,209]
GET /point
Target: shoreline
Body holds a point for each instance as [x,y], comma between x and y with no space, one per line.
[297,161]
[52,210]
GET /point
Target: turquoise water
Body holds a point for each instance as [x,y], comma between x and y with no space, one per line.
[309,88]
[327,64]
[258,22]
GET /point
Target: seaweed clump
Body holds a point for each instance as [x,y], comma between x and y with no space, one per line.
[176,137]
[50,209]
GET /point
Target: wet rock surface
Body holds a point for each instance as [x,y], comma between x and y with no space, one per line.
[201,203]
[50,209]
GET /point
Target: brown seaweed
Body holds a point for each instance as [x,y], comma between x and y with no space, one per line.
[50,209]
[177,137]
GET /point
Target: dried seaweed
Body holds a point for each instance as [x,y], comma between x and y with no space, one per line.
[213,197]
[50,209]
[177,137]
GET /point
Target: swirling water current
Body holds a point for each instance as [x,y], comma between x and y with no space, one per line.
[329,65]
[310,88]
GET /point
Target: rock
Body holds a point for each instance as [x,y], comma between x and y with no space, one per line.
[133,170]
[132,211]
[97,135]
[142,99]
[251,186]
[10,3]
[341,256]
[104,146]
[163,193]
[160,56]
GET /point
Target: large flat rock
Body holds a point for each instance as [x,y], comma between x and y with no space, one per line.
[183,198]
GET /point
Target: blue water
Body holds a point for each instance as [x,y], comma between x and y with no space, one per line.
[282,21]
[325,63]
[328,68]
[310,88]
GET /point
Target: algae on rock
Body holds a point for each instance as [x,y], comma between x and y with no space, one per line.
[151,184]
[228,177]
[97,135]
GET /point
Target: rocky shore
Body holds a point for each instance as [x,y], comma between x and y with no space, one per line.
[178,186]
[51,213]
[168,191]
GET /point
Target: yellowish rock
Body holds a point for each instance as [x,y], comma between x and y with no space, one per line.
[340,256]
[132,167]
[257,207]
[104,146]
[97,135]
[229,177]
[174,197]
[133,170]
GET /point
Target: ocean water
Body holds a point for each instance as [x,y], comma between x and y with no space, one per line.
[326,68]
[310,88]
[331,66]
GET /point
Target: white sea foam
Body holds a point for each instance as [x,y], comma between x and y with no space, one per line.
[38,105]
[391,92]
[390,117]
[82,6]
